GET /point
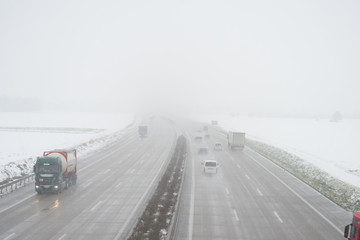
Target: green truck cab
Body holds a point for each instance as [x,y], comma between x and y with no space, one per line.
[56,170]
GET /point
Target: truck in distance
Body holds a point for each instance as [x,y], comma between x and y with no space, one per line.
[236,140]
[143,130]
[352,231]
[55,170]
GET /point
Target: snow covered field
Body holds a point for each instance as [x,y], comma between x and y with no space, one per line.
[330,146]
[24,136]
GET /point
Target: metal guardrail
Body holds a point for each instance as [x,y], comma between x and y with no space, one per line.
[14,185]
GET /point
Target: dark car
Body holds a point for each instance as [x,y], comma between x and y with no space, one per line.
[203,150]
[198,138]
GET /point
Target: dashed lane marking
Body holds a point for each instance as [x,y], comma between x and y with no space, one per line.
[96,205]
[298,195]
[10,236]
[278,217]
[259,192]
[64,235]
[235,215]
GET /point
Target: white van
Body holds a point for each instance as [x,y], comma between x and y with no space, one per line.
[210,166]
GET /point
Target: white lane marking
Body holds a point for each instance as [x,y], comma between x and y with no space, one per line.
[235,215]
[64,235]
[232,159]
[138,203]
[259,192]
[96,205]
[238,165]
[118,185]
[300,197]
[227,191]
[87,184]
[82,169]
[192,196]
[278,217]
[106,171]
[10,236]
[18,203]
[247,176]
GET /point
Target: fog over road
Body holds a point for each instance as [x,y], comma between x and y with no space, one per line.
[112,190]
[249,197]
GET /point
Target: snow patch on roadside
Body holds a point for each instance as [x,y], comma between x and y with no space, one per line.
[343,194]
[24,137]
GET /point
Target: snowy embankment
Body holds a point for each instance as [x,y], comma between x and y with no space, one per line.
[25,136]
[320,152]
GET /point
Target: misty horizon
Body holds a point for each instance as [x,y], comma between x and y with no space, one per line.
[258,57]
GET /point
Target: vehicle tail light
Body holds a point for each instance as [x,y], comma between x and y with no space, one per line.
[41,180]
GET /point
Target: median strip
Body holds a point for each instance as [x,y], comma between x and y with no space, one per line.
[158,215]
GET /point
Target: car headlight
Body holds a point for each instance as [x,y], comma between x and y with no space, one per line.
[56,186]
[36,186]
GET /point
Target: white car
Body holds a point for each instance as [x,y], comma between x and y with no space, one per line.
[217,147]
[210,166]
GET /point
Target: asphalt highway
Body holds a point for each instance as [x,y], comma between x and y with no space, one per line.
[249,198]
[113,187]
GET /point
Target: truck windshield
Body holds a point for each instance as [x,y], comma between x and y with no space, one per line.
[52,168]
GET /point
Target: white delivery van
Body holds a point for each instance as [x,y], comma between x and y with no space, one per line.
[210,166]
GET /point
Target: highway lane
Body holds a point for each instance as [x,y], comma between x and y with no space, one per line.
[113,187]
[250,198]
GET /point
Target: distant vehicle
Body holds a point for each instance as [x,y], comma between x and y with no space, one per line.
[210,166]
[203,150]
[55,171]
[143,131]
[218,147]
[352,231]
[198,138]
[214,122]
[236,140]
[207,136]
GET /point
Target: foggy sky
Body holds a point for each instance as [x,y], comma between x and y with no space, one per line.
[196,56]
